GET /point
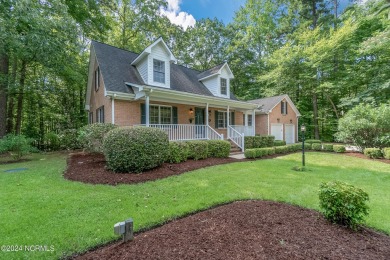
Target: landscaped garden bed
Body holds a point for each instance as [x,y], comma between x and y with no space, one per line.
[250,230]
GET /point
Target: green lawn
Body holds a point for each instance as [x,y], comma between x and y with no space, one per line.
[39,207]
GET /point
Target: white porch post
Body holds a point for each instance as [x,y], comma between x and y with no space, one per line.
[246,118]
[228,121]
[147,110]
[207,114]
[254,122]
[113,110]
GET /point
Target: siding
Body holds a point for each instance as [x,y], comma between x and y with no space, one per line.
[143,69]
[214,83]
[159,53]
[225,74]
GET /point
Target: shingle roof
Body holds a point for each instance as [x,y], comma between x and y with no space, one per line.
[210,72]
[116,69]
[267,103]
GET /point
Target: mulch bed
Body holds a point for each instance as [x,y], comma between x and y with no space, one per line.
[362,156]
[250,230]
[90,168]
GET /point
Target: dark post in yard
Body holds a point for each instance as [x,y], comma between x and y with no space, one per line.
[303,130]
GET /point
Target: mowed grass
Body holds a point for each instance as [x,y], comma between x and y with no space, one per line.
[39,207]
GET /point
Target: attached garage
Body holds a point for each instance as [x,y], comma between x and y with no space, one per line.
[289,133]
[277,131]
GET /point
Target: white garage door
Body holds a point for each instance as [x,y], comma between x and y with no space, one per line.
[290,133]
[277,131]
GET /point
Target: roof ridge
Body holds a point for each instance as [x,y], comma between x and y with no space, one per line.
[115,47]
[214,66]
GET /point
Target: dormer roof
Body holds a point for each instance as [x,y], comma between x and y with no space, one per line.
[267,104]
[148,50]
[215,71]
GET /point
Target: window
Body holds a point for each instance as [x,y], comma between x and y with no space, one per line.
[100,115]
[222,119]
[160,114]
[158,71]
[223,86]
[97,78]
[90,118]
[284,107]
[249,120]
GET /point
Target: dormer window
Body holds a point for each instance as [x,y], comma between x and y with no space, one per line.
[223,86]
[284,107]
[158,71]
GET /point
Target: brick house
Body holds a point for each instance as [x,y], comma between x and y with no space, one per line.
[150,89]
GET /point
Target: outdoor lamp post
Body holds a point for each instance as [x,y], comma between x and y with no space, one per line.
[303,130]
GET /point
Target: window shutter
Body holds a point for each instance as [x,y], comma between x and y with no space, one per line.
[281,107]
[102,115]
[143,115]
[232,119]
[174,115]
[216,119]
[285,104]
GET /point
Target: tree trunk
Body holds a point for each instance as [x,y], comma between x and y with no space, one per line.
[19,108]
[10,109]
[4,65]
[315,116]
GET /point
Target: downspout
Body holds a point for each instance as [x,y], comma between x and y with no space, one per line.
[147,109]
[268,126]
[113,109]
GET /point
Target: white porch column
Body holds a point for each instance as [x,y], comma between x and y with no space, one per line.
[254,122]
[228,116]
[246,118]
[147,110]
[113,109]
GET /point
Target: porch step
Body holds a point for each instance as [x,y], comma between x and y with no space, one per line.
[234,148]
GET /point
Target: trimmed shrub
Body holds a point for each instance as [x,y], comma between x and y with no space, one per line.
[51,142]
[250,153]
[259,142]
[198,149]
[16,145]
[338,148]
[178,152]
[218,148]
[279,143]
[327,147]
[269,150]
[374,153]
[269,140]
[249,140]
[282,149]
[260,152]
[312,141]
[91,136]
[316,146]
[343,203]
[307,146]
[135,149]
[69,139]
[294,147]
[386,153]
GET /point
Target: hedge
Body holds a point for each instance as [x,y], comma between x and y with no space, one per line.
[91,136]
[282,149]
[135,149]
[197,149]
[313,141]
[386,153]
[374,153]
[178,152]
[316,146]
[327,147]
[279,143]
[218,148]
[338,148]
[259,141]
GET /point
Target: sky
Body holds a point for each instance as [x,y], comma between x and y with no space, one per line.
[186,12]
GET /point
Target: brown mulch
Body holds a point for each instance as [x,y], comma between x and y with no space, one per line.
[90,168]
[362,156]
[250,230]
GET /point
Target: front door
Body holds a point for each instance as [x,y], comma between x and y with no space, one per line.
[199,123]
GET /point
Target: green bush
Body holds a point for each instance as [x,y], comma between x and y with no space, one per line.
[312,141]
[282,149]
[69,139]
[343,203]
[365,126]
[178,152]
[197,150]
[91,136]
[260,152]
[250,153]
[269,140]
[279,143]
[308,146]
[51,142]
[16,145]
[374,153]
[294,147]
[135,149]
[338,148]
[269,150]
[316,146]
[249,142]
[386,153]
[328,147]
[218,148]
[259,141]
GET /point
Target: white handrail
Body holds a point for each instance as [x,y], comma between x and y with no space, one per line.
[236,137]
[184,132]
[247,130]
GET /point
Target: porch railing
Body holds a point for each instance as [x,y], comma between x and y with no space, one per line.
[246,130]
[183,132]
[236,137]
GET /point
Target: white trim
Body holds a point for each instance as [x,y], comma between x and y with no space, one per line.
[289,101]
[207,114]
[219,72]
[147,113]
[148,50]
[113,110]
[254,122]
[268,125]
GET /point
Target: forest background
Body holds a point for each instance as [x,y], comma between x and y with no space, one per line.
[327,61]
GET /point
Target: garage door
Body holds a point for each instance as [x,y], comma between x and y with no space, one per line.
[277,131]
[290,133]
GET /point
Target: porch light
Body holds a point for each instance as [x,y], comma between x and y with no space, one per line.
[278,120]
[290,121]
[191,111]
[303,130]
